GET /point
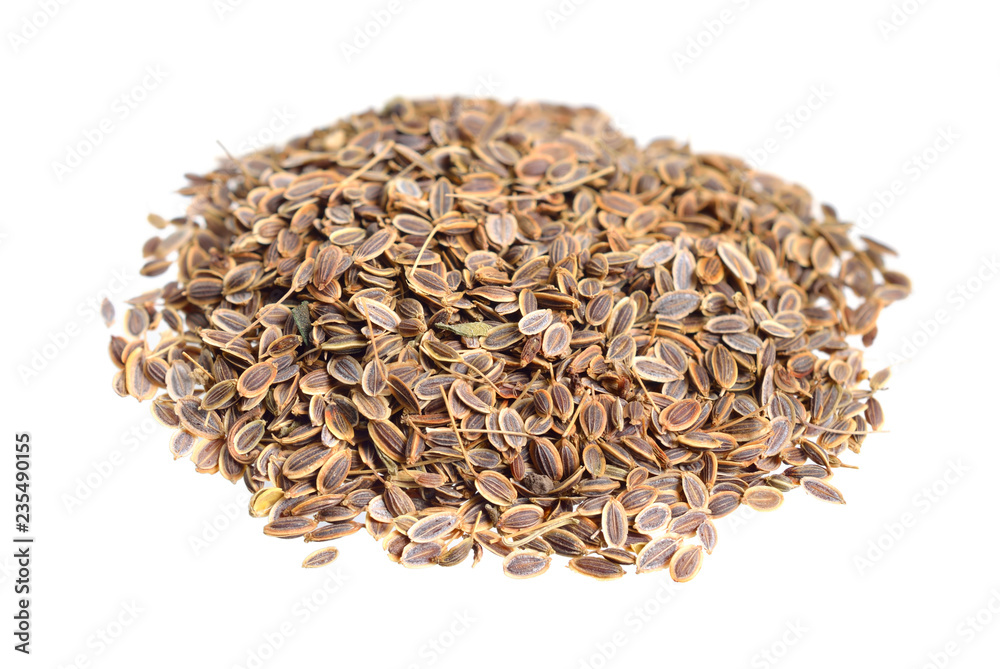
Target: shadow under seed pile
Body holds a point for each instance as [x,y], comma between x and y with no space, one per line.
[467,326]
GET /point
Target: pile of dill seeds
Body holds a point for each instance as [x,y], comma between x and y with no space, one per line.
[462,326]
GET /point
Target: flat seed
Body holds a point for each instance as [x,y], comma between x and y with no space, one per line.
[686,563]
[433,527]
[763,498]
[822,490]
[596,567]
[657,554]
[321,557]
[614,524]
[526,564]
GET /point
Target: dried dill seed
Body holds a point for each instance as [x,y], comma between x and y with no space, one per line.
[469,327]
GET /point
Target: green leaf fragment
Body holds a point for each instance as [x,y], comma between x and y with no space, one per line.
[300,315]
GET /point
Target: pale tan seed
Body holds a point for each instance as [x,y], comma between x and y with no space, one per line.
[763,498]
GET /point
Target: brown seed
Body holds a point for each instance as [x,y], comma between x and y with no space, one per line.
[256,379]
[677,304]
[496,488]
[526,564]
[419,555]
[321,557]
[107,312]
[822,490]
[596,567]
[652,519]
[289,527]
[695,491]
[556,340]
[535,322]
[433,527]
[614,524]
[657,554]
[593,419]
[470,327]
[686,563]
[247,437]
[763,498]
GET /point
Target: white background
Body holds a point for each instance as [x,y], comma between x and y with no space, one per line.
[118,522]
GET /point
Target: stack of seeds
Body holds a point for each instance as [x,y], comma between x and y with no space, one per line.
[466,326]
